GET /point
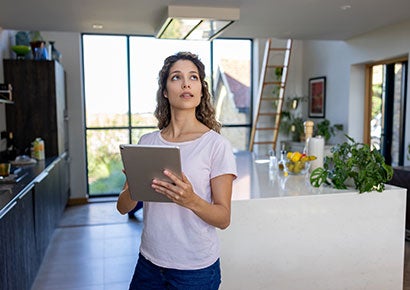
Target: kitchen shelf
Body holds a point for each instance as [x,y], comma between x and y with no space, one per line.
[2,101]
[5,94]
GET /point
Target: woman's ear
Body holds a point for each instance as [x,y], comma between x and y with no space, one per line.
[165,94]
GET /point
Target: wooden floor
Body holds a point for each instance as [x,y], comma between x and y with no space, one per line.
[95,247]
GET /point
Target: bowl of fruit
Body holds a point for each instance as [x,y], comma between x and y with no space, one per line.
[297,163]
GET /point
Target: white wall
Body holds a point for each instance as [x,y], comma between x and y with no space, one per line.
[4,53]
[69,44]
[343,65]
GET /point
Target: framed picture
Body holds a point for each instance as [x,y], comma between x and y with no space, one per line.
[317,97]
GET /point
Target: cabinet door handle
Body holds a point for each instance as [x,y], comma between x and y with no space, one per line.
[2,214]
[41,177]
[26,190]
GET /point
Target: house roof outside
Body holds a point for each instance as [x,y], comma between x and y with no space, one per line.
[237,78]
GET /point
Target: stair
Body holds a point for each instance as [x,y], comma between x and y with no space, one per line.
[271,95]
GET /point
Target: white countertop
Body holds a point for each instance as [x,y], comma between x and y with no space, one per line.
[254,181]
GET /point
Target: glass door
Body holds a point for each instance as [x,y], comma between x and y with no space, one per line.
[388,102]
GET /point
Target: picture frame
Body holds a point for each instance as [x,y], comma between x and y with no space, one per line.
[317,97]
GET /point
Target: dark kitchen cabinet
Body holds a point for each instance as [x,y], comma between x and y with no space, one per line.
[39,104]
[51,192]
[18,254]
[27,226]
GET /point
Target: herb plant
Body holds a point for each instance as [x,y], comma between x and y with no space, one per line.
[353,161]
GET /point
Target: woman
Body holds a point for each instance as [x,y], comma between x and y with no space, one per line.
[179,244]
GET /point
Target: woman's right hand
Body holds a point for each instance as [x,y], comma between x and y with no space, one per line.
[124,202]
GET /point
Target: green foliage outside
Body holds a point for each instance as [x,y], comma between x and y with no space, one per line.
[105,176]
[376,100]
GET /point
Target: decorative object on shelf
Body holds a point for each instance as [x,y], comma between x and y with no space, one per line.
[55,54]
[21,51]
[39,50]
[22,38]
[38,46]
[317,97]
[22,45]
[353,162]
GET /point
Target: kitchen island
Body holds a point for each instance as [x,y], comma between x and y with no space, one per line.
[285,234]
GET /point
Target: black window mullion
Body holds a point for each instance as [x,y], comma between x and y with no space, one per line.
[129,91]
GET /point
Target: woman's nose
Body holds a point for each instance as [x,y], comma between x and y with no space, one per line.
[186,84]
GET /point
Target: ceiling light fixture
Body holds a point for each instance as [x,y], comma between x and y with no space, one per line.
[196,23]
[345,7]
[98,26]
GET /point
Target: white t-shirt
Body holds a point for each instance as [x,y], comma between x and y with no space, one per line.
[173,236]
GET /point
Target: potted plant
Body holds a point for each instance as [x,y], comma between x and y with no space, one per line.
[353,162]
[326,130]
[291,123]
[278,73]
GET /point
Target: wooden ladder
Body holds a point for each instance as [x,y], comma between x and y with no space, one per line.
[274,73]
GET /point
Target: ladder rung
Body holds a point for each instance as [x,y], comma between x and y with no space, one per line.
[273,83]
[276,66]
[263,142]
[269,114]
[278,49]
[266,128]
[271,99]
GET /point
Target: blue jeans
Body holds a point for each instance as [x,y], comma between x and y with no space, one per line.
[150,276]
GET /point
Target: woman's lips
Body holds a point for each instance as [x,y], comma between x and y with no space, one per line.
[186,95]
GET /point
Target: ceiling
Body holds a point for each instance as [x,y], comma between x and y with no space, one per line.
[297,19]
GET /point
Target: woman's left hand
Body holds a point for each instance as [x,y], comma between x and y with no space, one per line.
[180,191]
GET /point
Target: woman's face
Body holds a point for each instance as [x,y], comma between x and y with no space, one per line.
[184,88]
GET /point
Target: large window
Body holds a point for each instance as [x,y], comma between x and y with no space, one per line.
[120,84]
[387,109]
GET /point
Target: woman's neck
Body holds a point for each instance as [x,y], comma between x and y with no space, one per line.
[183,128]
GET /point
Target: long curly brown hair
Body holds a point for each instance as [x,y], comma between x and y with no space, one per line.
[205,112]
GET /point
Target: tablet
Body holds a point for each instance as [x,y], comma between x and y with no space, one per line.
[143,163]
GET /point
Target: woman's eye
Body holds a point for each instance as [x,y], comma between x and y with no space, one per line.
[194,77]
[174,78]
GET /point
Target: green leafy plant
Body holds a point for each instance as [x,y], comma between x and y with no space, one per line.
[326,130]
[290,124]
[352,161]
[278,73]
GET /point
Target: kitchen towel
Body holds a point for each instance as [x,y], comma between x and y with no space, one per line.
[316,148]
